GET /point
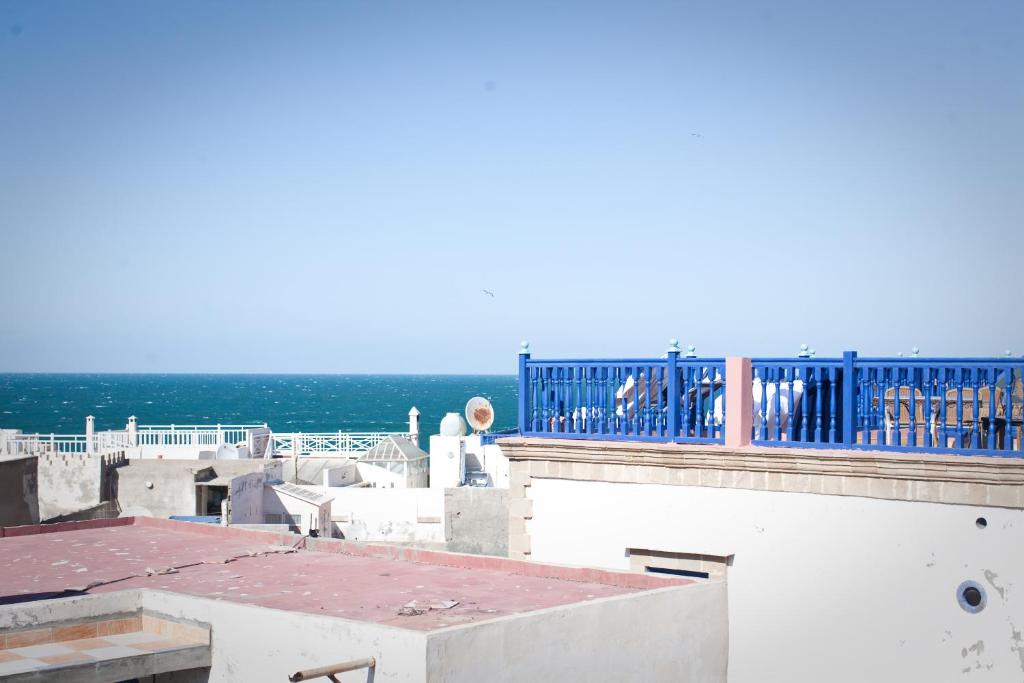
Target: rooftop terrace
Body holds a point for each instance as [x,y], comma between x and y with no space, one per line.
[401,587]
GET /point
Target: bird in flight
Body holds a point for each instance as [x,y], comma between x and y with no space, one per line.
[490,294]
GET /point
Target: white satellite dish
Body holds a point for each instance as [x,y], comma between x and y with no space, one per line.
[479,414]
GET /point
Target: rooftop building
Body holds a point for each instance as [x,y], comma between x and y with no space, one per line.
[274,604]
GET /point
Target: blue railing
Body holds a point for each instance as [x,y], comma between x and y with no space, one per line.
[640,399]
[797,400]
[964,405]
[490,437]
[970,406]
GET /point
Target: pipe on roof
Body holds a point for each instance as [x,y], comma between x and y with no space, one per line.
[329,671]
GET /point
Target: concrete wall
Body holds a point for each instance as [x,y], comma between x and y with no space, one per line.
[71,482]
[19,503]
[310,516]
[173,490]
[670,634]
[674,634]
[465,519]
[476,520]
[261,644]
[247,498]
[821,587]
[250,643]
[397,515]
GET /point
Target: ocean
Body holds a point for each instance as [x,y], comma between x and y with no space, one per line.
[59,403]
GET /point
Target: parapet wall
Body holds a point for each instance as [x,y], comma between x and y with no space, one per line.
[72,482]
[19,491]
[840,565]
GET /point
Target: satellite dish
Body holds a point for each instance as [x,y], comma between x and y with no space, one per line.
[479,414]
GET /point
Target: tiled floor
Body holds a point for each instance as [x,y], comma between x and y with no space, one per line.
[34,657]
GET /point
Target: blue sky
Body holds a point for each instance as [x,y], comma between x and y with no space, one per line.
[327,187]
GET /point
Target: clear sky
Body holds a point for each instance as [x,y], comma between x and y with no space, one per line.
[329,186]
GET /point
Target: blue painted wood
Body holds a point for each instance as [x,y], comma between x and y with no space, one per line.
[524,392]
[832,403]
[992,425]
[776,375]
[849,390]
[929,388]
[843,401]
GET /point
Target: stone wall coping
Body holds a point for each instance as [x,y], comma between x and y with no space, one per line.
[863,463]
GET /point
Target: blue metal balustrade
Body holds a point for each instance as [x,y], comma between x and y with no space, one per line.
[968,406]
[797,400]
[637,399]
[958,405]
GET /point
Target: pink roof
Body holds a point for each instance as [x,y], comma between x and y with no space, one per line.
[284,571]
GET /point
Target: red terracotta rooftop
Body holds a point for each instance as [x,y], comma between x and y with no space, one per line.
[328,577]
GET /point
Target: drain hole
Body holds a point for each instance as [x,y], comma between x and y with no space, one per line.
[971,596]
[981,522]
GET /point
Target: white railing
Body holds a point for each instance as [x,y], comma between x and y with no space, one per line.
[193,435]
[288,444]
[330,443]
[35,444]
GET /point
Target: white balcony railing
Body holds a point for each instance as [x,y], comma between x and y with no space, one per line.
[330,443]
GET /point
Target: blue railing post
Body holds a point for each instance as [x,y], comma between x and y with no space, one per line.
[849,398]
[524,388]
[672,390]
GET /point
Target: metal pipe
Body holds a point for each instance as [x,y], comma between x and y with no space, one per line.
[329,671]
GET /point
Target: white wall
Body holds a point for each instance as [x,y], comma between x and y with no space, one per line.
[822,587]
[344,474]
[310,516]
[247,498]
[260,644]
[364,514]
[447,460]
[380,476]
[673,634]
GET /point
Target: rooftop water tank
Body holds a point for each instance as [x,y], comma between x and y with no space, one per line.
[452,424]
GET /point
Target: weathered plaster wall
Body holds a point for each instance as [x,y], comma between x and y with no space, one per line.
[476,520]
[173,490]
[384,514]
[247,498]
[19,491]
[674,634]
[822,587]
[174,487]
[71,482]
[310,516]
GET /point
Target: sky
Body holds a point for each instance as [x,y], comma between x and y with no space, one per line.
[330,186]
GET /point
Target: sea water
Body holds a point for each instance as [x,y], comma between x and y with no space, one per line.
[59,403]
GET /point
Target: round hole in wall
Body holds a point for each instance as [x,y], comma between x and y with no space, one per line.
[971,596]
[981,522]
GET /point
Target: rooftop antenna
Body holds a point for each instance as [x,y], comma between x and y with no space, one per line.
[479,414]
